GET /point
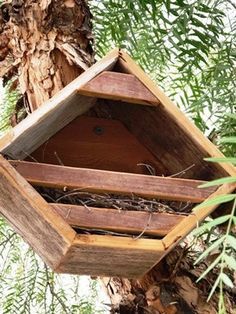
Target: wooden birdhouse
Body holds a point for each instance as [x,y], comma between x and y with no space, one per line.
[102,178]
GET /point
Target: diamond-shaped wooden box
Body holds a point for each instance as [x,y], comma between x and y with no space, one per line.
[103,133]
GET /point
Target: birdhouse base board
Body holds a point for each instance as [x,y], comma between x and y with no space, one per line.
[98,255]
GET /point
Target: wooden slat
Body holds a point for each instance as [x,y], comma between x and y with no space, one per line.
[119,86]
[31,216]
[90,142]
[112,182]
[53,115]
[98,255]
[123,221]
[181,230]
[191,222]
[175,113]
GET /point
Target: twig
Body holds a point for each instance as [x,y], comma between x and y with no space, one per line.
[28,155]
[58,159]
[182,172]
[183,250]
[150,168]
[85,205]
[44,149]
[119,202]
[145,229]
[102,231]
[53,293]
[46,196]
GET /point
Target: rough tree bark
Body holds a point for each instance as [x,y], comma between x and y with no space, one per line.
[169,288]
[44,45]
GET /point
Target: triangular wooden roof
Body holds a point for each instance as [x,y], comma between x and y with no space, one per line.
[38,127]
[61,109]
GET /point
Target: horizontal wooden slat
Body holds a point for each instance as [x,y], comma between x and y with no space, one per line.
[100,255]
[192,221]
[123,221]
[119,86]
[112,182]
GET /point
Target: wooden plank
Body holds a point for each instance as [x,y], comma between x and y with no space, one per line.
[182,229]
[53,115]
[110,256]
[122,221]
[112,182]
[119,86]
[173,148]
[90,142]
[175,113]
[31,216]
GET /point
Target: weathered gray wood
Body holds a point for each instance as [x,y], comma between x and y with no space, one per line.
[53,115]
[31,216]
[111,256]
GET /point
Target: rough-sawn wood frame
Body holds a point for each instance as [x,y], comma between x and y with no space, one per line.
[39,223]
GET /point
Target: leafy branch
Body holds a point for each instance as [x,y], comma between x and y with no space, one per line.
[226,243]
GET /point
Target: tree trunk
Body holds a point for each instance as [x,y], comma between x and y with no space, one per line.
[169,288]
[45,44]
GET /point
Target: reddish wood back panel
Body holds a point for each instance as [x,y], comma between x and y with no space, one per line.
[172,147]
[90,142]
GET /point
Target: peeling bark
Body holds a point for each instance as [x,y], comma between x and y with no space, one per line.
[169,288]
[46,43]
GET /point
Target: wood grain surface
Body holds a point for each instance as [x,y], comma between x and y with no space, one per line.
[53,115]
[31,216]
[119,86]
[175,114]
[120,221]
[110,256]
[96,143]
[100,181]
[173,148]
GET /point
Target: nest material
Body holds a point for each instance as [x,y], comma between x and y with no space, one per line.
[119,202]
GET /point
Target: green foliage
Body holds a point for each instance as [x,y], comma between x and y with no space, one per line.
[189,47]
[231,160]
[7,107]
[28,286]
[225,243]
[218,182]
